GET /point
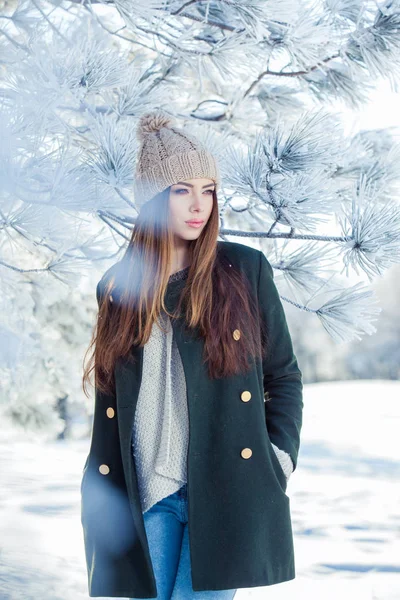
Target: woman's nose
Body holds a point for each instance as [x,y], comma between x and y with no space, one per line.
[197,200]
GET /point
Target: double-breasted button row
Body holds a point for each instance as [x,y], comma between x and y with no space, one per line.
[245,397]
[105,469]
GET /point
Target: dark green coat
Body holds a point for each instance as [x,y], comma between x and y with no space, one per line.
[240,528]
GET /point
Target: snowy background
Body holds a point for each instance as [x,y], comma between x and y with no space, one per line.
[65,171]
[344,496]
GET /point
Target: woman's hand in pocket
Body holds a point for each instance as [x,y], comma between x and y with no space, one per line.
[284,460]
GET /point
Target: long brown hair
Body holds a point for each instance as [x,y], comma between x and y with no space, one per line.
[215,298]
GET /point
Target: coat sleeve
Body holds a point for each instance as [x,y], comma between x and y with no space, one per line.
[282,378]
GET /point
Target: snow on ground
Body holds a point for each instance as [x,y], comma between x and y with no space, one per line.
[344,497]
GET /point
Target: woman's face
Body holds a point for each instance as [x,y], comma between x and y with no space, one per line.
[190,199]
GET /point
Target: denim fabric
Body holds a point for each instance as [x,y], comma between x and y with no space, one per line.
[166,524]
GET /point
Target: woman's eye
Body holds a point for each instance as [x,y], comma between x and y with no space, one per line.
[185,190]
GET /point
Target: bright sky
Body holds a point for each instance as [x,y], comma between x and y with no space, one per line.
[380,112]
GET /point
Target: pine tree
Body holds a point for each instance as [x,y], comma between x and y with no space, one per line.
[263,84]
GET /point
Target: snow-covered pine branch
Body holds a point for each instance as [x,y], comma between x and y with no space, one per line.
[348,314]
[261,83]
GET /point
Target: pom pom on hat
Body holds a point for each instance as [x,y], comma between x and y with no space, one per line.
[153,121]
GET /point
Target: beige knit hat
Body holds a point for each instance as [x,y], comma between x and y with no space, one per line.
[168,155]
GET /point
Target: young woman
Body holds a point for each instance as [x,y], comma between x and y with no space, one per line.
[198,397]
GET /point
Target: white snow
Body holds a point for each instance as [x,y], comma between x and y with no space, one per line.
[344,497]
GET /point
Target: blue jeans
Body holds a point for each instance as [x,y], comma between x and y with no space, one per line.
[167,532]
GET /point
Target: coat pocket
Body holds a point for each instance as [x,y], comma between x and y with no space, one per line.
[285,460]
[279,472]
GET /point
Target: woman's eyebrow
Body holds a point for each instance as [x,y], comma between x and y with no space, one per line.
[191,185]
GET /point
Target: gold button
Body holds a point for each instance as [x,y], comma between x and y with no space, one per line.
[236,334]
[246,452]
[245,396]
[104,469]
[110,412]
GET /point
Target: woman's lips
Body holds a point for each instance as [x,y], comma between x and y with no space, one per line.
[194,224]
